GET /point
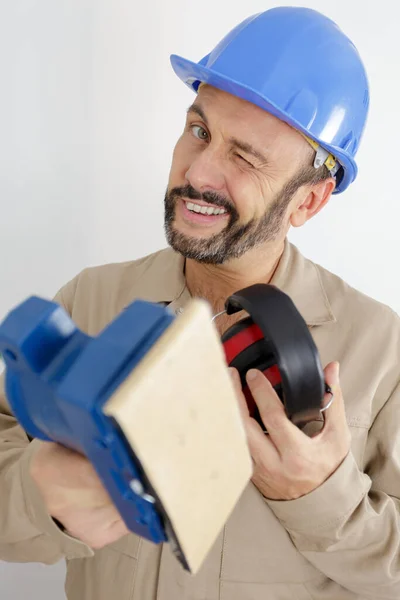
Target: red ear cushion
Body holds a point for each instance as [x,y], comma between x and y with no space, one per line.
[237,342]
[241,340]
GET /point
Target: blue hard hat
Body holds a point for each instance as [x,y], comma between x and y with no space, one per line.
[298,65]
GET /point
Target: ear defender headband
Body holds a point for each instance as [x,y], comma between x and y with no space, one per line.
[275,339]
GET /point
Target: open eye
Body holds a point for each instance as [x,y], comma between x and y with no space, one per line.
[199,132]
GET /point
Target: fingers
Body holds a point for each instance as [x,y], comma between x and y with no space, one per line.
[280,429]
[335,415]
[259,444]
[287,463]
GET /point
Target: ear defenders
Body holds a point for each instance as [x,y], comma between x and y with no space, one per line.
[275,339]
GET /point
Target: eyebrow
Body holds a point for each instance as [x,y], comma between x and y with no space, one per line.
[243,146]
[197,110]
[248,149]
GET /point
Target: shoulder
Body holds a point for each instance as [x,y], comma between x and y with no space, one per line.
[365,338]
[366,332]
[114,273]
[97,294]
[353,306]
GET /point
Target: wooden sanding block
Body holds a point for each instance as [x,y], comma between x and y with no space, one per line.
[179,413]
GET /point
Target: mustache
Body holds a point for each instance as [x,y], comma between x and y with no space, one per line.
[187,191]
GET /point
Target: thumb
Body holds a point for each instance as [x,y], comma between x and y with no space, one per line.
[335,415]
[332,373]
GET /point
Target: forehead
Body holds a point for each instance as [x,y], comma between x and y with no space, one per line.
[232,114]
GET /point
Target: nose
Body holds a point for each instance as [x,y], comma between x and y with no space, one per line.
[205,174]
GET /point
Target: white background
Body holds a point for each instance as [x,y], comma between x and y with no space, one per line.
[89,113]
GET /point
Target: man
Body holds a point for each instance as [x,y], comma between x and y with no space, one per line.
[280,109]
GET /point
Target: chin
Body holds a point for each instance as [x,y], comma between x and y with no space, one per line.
[196,231]
[194,234]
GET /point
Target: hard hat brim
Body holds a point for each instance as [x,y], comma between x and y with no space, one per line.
[192,74]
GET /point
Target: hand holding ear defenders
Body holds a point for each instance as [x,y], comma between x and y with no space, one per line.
[275,339]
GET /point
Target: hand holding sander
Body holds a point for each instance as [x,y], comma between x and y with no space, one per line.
[150,403]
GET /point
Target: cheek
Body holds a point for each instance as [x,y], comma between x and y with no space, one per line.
[248,194]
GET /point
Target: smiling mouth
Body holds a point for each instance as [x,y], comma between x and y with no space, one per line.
[204,209]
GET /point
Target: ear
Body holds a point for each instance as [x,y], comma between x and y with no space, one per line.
[312,200]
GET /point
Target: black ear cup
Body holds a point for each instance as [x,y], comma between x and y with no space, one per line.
[275,339]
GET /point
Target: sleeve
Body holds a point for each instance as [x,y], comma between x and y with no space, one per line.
[349,527]
[27,531]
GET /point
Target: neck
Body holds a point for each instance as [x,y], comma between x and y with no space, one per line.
[215,283]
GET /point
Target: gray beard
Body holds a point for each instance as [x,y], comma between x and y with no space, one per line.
[235,239]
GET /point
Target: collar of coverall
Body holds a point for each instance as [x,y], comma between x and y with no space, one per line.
[164,282]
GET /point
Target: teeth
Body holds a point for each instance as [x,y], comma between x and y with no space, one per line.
[205,210]
[193,207]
